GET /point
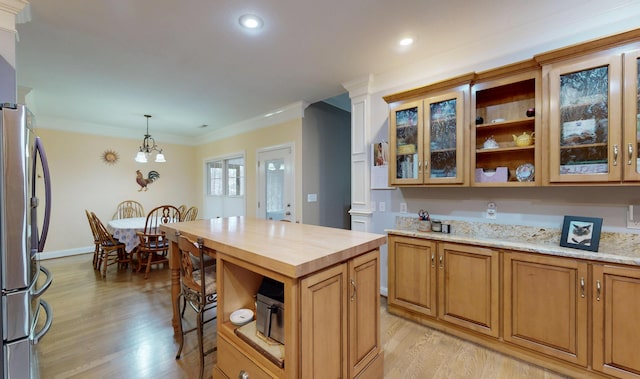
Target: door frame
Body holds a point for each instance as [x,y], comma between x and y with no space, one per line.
[260,178]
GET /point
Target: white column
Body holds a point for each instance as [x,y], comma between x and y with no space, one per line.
[8,11]
[360,94]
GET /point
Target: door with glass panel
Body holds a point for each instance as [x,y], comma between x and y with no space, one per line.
[444,144]
[225,187]
[275,184]
[631,120]
[406,144]
[585,120]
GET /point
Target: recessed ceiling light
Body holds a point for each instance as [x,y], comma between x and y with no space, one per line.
[250,21]
[406,41]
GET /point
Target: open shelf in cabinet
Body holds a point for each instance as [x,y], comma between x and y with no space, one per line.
[505,109]
[240,286]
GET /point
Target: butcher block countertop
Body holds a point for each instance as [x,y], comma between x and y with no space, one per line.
[294,250]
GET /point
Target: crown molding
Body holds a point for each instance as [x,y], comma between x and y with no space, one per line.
[287,113]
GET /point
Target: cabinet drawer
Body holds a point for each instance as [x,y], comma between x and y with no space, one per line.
[231,362]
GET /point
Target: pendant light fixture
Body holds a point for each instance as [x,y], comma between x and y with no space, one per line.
[148,146]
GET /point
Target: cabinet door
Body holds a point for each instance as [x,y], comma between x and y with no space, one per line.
[405,146]
[444,138]
[631,121]
[469,287]
[364,311]
[545,305]
[616,306]
[584,120]
[323,324]
[412,275]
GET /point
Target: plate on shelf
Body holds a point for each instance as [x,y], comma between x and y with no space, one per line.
[525,172]
[241,316]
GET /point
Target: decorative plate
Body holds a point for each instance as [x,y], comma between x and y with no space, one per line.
[525,172]
[110,157]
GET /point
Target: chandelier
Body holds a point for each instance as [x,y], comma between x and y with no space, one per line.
[148,146]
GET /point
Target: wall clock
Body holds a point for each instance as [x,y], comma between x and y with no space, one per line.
[110,157]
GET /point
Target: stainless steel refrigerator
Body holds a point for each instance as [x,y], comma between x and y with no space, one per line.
[21,156]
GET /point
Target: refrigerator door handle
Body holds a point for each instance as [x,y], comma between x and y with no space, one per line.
[39,149]
[46,285]
[47,325]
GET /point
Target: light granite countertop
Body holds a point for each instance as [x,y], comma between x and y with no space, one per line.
[622,248]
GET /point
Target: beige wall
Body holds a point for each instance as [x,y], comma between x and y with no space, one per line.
[81,180]
[250,143]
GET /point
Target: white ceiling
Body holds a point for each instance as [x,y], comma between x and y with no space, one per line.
[106,63]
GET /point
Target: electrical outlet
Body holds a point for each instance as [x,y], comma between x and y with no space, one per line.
[492,211]
[382,206]
[403,207]
[631,223]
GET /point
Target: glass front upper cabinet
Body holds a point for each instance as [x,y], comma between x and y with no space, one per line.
[444,142]
[406,144]
[584,120]
[631,118]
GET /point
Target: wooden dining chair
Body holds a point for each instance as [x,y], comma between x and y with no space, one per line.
[183,210]
[154,246]
[96,240]
[198,287]
[128,209]
[190,215]
[111,250]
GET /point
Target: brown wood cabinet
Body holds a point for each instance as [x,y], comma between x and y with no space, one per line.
[507,105]
[591,111]
[461,281]
[340,319]
[468,287]
[545,305]
[574,316]
[428,136]
[412,274]
[616,334]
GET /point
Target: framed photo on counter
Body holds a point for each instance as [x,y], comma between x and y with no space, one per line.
[581,232]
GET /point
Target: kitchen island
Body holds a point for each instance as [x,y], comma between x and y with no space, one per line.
[331,295]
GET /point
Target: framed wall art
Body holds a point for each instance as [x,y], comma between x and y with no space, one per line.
[581,232]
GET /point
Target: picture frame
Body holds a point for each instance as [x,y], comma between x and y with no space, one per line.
[581,232]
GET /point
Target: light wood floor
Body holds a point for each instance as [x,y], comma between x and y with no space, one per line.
[120,327]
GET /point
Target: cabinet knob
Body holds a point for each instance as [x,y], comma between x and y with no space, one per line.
[243,375]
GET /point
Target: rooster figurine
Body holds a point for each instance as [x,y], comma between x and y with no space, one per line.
[153,175]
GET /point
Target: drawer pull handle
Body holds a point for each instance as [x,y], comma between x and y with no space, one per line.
[441,262]
[615,154]
[630,151]
[353,284]
[243,375]
[598,288]
[582,287]
[433,260]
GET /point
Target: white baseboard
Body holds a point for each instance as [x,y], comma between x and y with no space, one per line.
[65,253]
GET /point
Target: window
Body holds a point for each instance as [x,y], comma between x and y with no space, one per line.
[226,177]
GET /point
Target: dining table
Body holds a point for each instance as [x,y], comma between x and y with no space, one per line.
[125,230]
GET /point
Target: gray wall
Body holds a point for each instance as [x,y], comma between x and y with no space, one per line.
[326,151]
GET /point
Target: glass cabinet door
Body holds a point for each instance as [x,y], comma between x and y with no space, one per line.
[631,159]
[406,156]
[444,140]
[585,121]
